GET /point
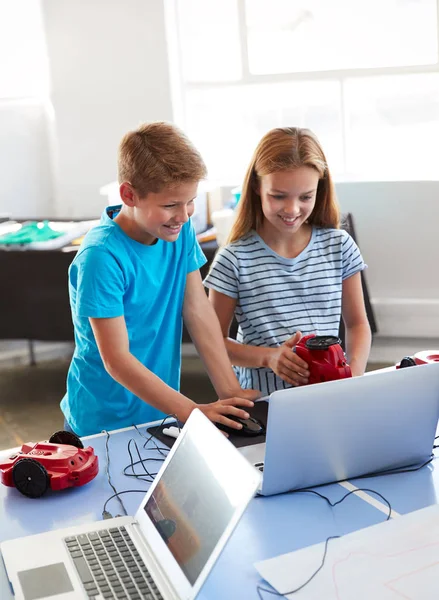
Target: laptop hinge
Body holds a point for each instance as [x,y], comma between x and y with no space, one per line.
[164,581]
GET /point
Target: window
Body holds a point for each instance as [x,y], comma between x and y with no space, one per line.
[364,76]
[316,35]
[23,58]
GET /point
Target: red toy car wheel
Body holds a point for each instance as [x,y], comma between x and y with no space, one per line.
[30,477]
[66,437]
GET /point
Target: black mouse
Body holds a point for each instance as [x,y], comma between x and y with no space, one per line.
[250,427]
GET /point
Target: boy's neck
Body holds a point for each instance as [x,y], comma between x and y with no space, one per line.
[129,226]
[289,246]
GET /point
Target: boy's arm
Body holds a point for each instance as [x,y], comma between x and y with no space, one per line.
[112,339]
[282,360]
[358,335]
[205,331]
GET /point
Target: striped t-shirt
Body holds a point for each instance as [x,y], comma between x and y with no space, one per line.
[278,296]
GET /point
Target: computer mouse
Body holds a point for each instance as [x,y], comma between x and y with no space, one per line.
[250,427]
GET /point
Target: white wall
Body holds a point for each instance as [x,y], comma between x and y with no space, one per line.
[25,160]
[109,72]
[397,229]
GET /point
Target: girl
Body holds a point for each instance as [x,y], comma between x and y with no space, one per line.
[287,266]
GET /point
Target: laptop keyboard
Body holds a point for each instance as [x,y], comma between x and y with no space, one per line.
[260,466]
[109,565]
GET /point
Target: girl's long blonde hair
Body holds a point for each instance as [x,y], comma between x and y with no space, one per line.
[285,149]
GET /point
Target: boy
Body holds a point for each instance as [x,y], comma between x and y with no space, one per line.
[133,279]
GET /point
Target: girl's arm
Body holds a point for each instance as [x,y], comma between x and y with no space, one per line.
[112,339]
[358,335]
[202,324]
[282,360]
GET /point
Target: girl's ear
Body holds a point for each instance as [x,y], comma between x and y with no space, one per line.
[127,194]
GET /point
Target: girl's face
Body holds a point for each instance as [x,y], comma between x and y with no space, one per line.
[288,198]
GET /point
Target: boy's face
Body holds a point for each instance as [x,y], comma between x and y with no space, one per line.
[163,214]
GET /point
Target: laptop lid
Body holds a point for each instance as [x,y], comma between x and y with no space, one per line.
[342,429]
[195,502]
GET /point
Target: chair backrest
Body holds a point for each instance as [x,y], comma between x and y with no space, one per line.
[347,223]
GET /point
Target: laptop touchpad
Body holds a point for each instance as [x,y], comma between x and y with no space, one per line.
[45,581]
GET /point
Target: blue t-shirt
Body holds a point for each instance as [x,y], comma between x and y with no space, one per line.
[277,296]
[112,275]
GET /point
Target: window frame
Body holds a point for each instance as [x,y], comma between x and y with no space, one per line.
[179,87]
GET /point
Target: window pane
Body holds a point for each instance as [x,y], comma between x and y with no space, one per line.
[392,127]
[318,35]
[23,59]
[226,124]
[209,40]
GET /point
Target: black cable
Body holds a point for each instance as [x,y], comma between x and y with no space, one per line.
[150,439]
[142,462]
[107,468]
[332,504]
[396,471]
[146,475]
[118,494]
[261,589]
[159,429]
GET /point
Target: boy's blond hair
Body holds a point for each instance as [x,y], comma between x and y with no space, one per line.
[158,155]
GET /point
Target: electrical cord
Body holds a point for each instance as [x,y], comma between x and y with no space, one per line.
[146,475]
[150,438]
[396,471]
[117,495]
[261,589]
[141,461]
[107,470]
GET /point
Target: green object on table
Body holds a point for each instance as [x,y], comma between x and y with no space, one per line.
[34,231]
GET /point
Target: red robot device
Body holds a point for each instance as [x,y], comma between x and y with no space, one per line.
[325,357]
[60,463]
[420,358]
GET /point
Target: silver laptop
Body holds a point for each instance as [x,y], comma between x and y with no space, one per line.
[165,551]
[342,429]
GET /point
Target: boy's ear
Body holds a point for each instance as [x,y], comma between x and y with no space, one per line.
[127,194]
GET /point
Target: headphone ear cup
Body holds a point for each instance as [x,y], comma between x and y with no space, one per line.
[407,361]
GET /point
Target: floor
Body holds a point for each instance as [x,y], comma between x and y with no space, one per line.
[30,397]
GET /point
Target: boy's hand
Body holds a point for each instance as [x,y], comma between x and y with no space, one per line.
[218,411]
[286,364]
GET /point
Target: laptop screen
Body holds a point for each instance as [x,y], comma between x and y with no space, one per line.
[194,502]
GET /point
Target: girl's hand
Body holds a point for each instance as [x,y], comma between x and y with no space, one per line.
[286,364]
[219,410]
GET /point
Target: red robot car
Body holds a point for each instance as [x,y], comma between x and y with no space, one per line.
[60,463]
[325,357]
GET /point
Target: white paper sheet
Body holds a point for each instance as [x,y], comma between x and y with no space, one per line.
[390,561]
